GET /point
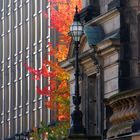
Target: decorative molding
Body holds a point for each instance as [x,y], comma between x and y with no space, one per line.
[125,112]
[103,18]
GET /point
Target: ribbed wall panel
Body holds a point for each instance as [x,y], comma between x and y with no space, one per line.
[24,35]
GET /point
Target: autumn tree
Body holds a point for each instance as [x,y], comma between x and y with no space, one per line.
[62,12]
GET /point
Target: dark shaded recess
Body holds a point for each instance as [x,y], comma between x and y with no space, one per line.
[124,78]
[124,3]
[109,113]
[89,12]
[138,18]
[136,126]
[136,123]
[125,53]
[124,69]
[113,4]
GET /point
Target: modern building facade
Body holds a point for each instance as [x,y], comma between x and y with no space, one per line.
[109,68]
[24,35]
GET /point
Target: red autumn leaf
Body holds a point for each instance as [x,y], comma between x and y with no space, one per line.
[36,78]
[62,12]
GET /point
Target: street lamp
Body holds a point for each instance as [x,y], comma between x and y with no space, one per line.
[76,31]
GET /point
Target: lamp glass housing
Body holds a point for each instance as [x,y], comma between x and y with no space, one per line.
[76,30]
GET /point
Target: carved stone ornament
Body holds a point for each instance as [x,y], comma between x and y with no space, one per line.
[126,115]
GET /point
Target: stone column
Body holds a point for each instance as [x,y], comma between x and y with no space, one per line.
[128,75]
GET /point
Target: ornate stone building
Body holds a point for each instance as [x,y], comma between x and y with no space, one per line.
[109,68]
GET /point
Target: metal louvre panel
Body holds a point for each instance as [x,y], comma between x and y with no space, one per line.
[21,42]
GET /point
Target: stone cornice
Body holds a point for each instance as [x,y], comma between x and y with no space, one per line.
[102,48]
[103,18]
[107,46]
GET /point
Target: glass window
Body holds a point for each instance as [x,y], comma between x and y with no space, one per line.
[33,7]
[9,46]
[39,27]
[19,39]
[1,51]
[1,6]
[39,5]
[14,19]
[27,11]
[5,25]
[14,96]
[19,93]
[0,25]
[6,7]
[33,30]
[19,70]
[26,36]
[6,78]
[6,47]
[19,16]
[39,60]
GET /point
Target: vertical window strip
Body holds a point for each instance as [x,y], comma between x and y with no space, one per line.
[27,104]
[40,53]
[35,59]
[20,65]
[28,63]
[3,73]
[1,57]
[49,58]
[9,70]
[27,55]
[16,69]
[138,18]
[41,86]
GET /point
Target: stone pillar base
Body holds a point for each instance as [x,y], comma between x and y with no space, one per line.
[83,137]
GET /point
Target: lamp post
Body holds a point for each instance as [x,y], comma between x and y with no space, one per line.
[17,137]
[76,31]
